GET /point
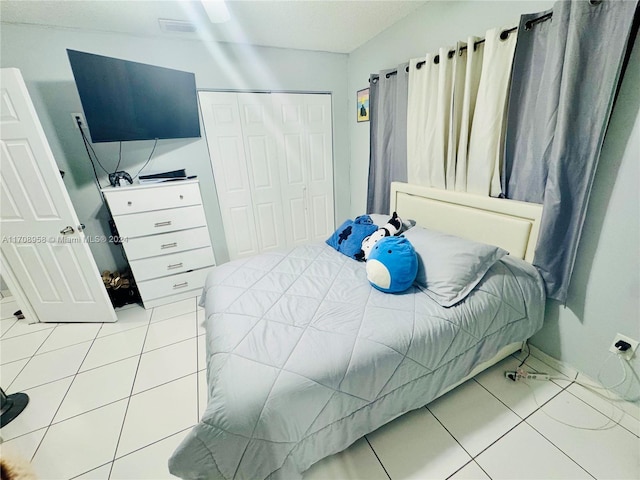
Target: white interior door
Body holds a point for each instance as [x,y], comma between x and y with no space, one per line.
[55,271]
[223,128]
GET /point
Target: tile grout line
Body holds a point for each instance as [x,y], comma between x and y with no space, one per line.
[29,359]
[566,389]
[524,420]
[197,371]
[559,449]
[95,468]
[48,427]
[466,465]
[74,345]
[96,337]
[447,430]
[15,320]
[53,325]
[616,422]
[106,365]
[174,316]
[377,457]
[133,384]
[472,458]
[521,421]
[132,452]
[168,344]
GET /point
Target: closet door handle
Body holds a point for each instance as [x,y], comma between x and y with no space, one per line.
[304,196]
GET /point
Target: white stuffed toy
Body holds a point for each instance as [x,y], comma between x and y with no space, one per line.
[391,228]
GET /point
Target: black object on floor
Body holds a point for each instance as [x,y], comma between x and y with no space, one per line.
[11,406]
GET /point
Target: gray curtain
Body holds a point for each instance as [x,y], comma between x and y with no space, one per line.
[388,93]
[566,71]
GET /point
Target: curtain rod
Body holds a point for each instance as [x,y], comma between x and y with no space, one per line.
[503,36]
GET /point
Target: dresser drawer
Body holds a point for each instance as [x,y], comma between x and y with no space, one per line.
[134,200]
[165,286]
[165,243]
[154,267]
[160,221]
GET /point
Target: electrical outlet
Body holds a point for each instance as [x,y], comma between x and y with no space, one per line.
[627,354]
[75,121]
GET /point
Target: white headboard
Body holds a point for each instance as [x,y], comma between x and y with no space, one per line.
[509,224]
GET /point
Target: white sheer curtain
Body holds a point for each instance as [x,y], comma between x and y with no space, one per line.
[487,131]
[456,114]
[416,122]
[428,114]
[473,67]
[455,108]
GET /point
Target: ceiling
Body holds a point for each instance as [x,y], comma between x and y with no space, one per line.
[338,26]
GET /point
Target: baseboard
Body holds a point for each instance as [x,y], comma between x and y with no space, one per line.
[554,363]
[632,408]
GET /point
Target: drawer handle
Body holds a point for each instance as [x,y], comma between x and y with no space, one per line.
[181,197]
[162,224]
[174,266]
[129,204]
[181,285]
[169,245]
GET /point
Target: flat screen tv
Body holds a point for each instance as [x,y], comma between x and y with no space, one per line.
[125,100]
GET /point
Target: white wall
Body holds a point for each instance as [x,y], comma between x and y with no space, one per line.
[40,53]
[606,284]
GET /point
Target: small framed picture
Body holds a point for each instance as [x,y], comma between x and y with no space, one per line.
[363,105]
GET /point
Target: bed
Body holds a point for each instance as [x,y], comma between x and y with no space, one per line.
[304,357]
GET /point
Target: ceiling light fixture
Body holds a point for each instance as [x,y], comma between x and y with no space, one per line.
[217,10]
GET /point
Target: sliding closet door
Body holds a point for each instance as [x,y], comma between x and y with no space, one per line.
[272,161]
[303,130]
[221,118]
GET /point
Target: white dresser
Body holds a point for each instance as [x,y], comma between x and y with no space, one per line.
[165,238]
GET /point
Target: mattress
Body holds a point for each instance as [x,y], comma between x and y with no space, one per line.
[304,357]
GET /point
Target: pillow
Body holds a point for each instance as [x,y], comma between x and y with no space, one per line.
[347,239]
[449,267]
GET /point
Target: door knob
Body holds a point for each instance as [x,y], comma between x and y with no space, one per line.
[67,230]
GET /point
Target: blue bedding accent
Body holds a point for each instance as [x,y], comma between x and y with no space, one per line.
[347,239]
[304,356]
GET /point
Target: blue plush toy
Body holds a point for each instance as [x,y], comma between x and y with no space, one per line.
[392,265]
[348,238]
